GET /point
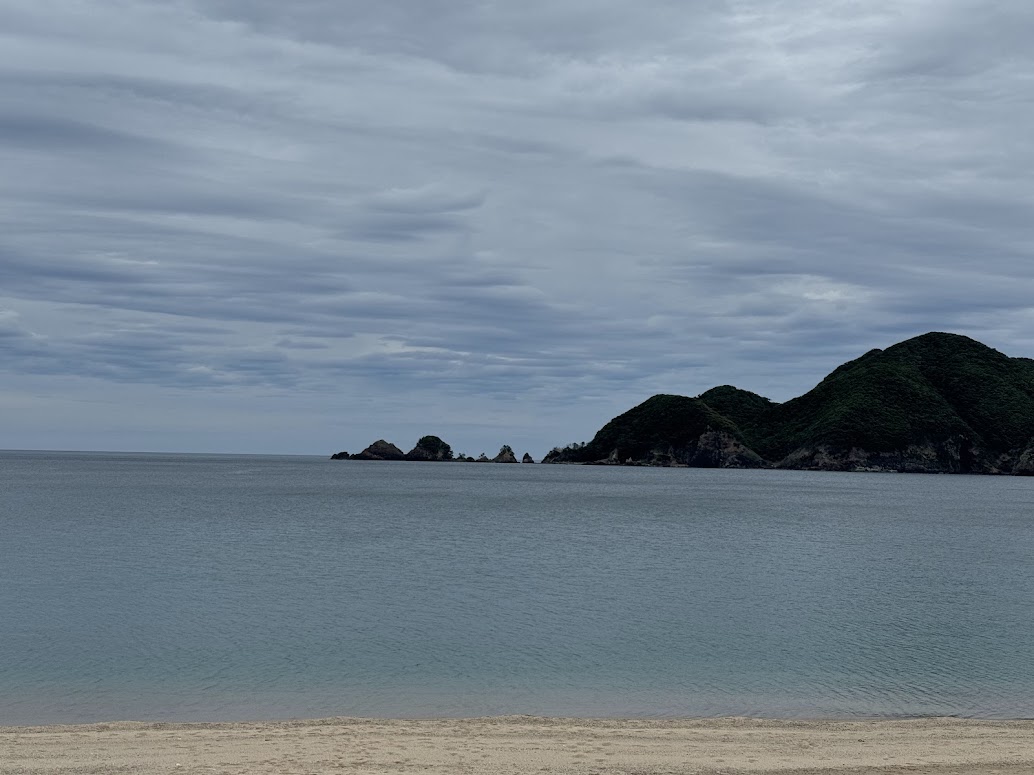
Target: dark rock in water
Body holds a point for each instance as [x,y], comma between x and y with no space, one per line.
[527,458]
[380,450]
[430,448]
[505,455]
[340,456]
[482,458]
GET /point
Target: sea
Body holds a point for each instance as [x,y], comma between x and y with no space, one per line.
[228,587]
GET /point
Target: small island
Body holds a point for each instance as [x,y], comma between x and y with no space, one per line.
[429,449]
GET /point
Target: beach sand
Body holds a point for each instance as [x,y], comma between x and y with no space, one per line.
[525,745]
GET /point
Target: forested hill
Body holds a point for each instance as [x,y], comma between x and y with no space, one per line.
[936,403]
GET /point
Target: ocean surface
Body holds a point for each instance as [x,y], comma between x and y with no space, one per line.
[209,587]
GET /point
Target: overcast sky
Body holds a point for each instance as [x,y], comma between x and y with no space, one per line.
[268,226]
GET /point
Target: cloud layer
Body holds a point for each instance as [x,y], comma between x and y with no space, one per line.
[298,227]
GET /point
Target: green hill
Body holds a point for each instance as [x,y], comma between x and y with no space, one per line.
[664,430]
[740,406]
[938,403]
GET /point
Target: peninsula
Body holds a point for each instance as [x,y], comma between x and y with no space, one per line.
[938,403]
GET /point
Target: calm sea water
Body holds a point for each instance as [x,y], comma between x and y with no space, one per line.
[200,587]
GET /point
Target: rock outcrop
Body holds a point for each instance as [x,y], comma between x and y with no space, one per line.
[913,459]
[527,458]
[720,449]
[430,448]
[340,456]
[380,450]
[505,455]
[1024,465]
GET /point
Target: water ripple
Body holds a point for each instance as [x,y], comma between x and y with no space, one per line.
[202,587]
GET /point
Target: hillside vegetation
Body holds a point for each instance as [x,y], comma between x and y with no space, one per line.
[936,403]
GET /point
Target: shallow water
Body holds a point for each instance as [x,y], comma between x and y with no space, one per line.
[202,587]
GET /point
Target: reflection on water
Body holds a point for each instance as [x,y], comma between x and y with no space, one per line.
[206,587]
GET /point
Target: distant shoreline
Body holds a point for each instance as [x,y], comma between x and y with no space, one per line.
[523,744]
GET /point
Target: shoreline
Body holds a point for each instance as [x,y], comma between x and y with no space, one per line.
[513,745]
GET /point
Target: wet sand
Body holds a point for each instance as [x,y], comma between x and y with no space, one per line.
[520,744]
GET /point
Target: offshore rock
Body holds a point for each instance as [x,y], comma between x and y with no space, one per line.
[527,458]
[505,455]
[380,450]
[340,456]
[430,448]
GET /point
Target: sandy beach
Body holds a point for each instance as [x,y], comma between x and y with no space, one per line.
[510,745]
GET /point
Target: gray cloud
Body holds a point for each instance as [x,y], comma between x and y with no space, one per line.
[53,134]
[517,219]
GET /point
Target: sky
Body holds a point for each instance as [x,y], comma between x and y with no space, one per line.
[271,227]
